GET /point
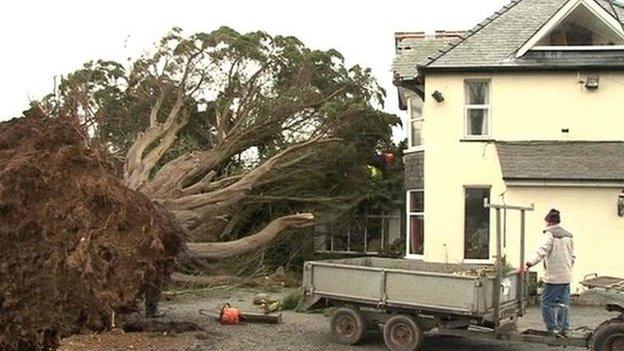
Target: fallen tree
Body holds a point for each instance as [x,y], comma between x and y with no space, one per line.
[239,136]
[76,245]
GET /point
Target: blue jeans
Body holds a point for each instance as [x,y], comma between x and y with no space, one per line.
[556,306]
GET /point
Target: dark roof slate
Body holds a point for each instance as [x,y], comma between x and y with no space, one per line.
[606,4]
[596,59]
[562,160]
[619,9]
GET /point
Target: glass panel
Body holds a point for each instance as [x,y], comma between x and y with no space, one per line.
[417,132]
[477,121]
[394,230]
[373,230]
[338,238]
[322,239]
[357,235]
[476,224]
[417,234]
[340,241]
[477,93]
[416,106]
[417,201]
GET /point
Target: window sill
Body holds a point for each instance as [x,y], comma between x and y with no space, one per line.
[414,149]
[488,261]
[415,257]
[477,140]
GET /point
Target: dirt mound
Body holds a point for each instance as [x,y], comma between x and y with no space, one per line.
[75,243]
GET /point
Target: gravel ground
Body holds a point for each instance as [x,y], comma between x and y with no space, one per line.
[311,331]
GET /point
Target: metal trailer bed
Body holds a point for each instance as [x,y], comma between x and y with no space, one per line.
[409,297]
[458,291]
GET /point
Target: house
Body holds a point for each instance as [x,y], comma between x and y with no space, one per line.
[525,108]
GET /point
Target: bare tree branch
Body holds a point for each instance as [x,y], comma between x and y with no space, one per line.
[222,250]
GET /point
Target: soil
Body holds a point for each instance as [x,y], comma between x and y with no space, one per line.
[310,332]
[75,243]
[118,340]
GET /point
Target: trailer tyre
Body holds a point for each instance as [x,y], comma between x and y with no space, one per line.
[347,326]
[402,333]
[609,336]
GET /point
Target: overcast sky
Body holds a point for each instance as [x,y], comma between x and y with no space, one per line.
[44,39]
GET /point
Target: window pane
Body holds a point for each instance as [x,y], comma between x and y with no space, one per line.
[416,132]
[477,93]
[416,105]
[417,234]
[322,239]
[373,231]
[417,201]
[476,224]
[394,230]
[340,238]
[357,235]
[477,121]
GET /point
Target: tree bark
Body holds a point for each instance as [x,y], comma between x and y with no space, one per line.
[247,244]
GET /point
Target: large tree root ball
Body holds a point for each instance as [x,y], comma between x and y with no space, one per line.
[76,244]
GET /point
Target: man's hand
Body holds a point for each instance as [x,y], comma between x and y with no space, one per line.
[528,265]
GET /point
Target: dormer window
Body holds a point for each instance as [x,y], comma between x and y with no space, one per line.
[477,118]
[581,25]
[582,28]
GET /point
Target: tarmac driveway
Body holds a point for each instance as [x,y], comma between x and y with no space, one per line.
[301,331]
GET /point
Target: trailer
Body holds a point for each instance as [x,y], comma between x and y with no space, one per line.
[407,298]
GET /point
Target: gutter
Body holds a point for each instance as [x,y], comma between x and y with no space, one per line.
[557,68]
[571,183]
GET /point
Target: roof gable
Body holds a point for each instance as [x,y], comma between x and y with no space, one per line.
[594,24]
[494,42]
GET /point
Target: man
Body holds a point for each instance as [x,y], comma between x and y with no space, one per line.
[557,252]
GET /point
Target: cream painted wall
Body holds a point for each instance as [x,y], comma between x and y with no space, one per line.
[590,214]
[524,106]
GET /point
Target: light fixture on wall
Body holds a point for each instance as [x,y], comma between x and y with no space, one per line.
[437,95]
[621,204]
[592,82]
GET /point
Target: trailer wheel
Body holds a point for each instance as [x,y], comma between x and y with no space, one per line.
[347,326]
[609,336]
[402,333]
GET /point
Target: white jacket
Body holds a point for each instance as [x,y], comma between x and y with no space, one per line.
[557,251]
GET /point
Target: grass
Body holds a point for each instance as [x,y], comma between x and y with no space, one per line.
[292,301]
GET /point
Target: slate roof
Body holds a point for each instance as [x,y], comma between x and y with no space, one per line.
[562,160]
[494,42]
[411,52]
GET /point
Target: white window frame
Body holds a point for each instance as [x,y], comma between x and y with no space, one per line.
[560,16]
[486,107]
[408,237]
[410,145]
